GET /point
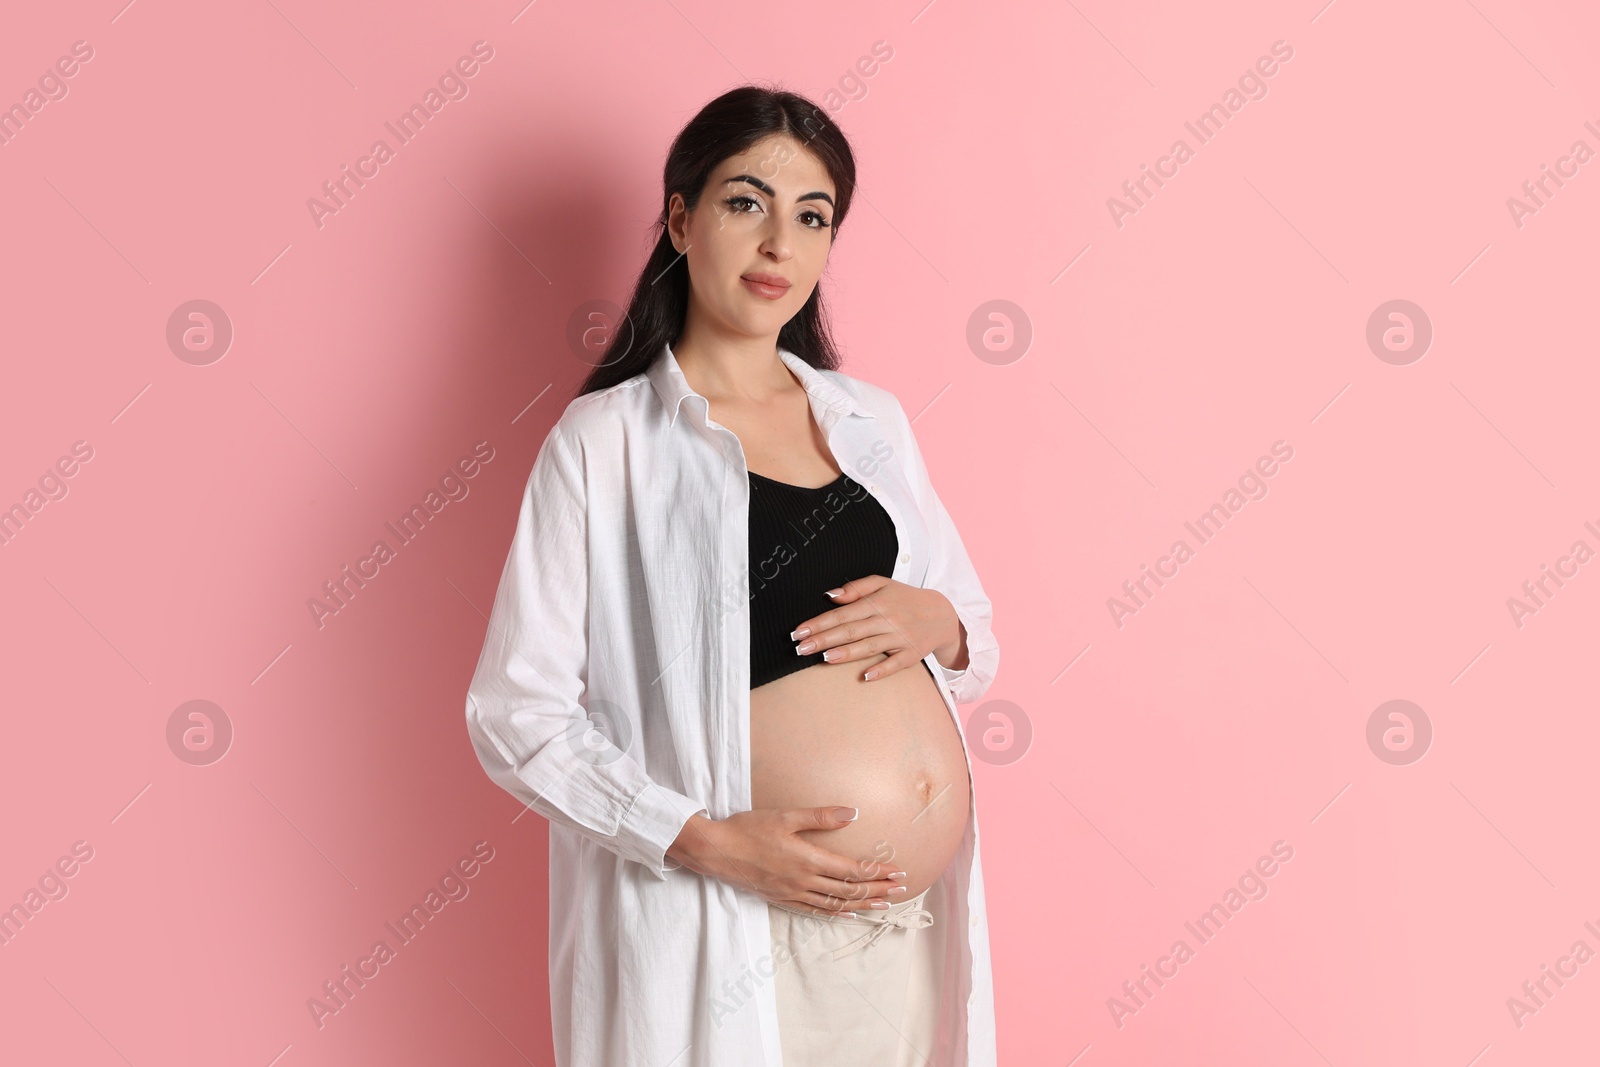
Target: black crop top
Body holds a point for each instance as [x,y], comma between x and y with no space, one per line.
[803,542]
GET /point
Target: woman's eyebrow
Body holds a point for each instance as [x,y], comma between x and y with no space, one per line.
[765,188]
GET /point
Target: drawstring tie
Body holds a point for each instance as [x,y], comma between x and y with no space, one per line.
[909,919]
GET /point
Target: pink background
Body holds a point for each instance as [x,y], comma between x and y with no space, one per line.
[1167,354]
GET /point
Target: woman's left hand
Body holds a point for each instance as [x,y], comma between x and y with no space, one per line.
[878,614]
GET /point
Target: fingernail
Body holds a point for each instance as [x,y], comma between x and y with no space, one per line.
[802,649]
[879,904]
[839,814]
[834,593]
[897,874]
[899,889]
[798,634]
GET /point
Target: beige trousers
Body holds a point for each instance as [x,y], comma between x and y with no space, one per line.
[859,987]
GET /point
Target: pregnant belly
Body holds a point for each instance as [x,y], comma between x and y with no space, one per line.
[822,736]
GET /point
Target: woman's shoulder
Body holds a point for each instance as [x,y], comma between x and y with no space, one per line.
[600,414]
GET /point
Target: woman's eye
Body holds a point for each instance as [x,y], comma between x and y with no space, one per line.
[812,219]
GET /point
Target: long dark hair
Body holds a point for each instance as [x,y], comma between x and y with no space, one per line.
[725,127]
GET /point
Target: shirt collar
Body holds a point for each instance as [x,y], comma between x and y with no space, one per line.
[673,387]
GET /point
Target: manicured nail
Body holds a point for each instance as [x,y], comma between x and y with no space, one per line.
[802,649]
[798,634]
[870,675]
[897,874]
[879,904]
[834,593]
[899,889]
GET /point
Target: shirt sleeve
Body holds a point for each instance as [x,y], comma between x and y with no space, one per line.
[950,571]
[533,735]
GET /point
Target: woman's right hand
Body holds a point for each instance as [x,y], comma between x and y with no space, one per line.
[763,851]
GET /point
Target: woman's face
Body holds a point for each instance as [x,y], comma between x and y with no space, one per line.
[758,239]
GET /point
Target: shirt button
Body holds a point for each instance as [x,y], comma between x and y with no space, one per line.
[973,922]
[904,556]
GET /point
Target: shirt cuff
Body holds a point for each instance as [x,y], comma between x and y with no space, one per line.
[953,677]
[654,822]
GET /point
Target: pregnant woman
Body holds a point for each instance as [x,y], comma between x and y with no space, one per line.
[725,655]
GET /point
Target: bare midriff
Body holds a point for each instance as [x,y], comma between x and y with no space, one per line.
[821,736]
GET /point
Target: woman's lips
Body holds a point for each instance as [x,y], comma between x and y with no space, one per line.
[771,292]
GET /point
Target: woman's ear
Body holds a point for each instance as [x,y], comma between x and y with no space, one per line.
[677,222]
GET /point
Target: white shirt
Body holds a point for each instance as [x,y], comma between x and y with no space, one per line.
[612,697]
